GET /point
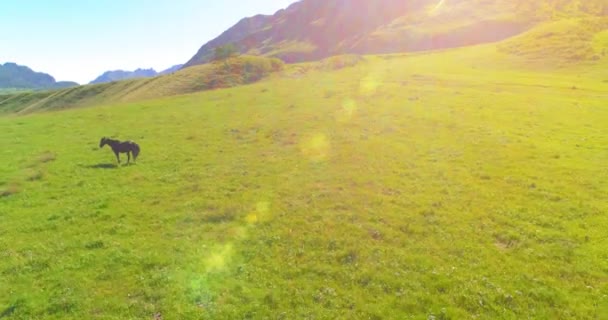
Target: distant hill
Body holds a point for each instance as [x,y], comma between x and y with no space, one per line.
[118,75]
[314,29]
[16,77]
[172,69]
[547,34]
[228,73]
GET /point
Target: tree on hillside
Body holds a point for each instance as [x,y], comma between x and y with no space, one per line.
[225,52]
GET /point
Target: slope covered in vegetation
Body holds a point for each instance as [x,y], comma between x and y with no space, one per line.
[315,29]
[562,42]
[220,74]
[446,185]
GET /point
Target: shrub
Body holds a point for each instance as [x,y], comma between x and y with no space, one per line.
[224,52]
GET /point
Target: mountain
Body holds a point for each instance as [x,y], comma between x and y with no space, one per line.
[118,75]
[14,76]
[314,29]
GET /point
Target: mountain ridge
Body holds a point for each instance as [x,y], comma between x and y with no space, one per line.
[315,29]
[15,76]
[118,75]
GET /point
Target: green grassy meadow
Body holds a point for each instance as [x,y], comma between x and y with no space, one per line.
[464,184]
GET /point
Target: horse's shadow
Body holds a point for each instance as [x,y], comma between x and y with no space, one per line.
[9,311]
[107,166]
[104,166]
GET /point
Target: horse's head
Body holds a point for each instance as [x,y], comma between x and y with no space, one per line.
[103,142]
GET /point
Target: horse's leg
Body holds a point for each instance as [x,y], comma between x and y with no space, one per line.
[128,157]
[117,156]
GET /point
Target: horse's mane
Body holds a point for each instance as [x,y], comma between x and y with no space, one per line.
[109,139]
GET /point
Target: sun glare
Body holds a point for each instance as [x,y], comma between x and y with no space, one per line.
[438,6]
[316,147]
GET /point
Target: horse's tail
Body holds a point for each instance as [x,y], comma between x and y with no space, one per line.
[135,151]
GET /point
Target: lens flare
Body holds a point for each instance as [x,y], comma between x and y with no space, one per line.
[252,218]
[217,261]
[369,85]
[261,213]
[438,6]
[347,111]
[316,148]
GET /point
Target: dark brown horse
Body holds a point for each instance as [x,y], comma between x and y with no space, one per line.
[128,147]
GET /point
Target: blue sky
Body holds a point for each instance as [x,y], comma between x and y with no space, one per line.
[78,40]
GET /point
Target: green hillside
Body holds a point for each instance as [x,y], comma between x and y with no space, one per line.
[220,74]
[551,46]
[562,42]
[313,29]
[12,90]
[460,184]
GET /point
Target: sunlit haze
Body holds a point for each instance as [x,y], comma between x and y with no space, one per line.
[79,40]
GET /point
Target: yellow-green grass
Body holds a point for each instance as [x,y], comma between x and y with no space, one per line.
[449,185]
[562,42]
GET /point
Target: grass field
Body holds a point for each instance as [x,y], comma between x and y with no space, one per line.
[453,185]
[4,91]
